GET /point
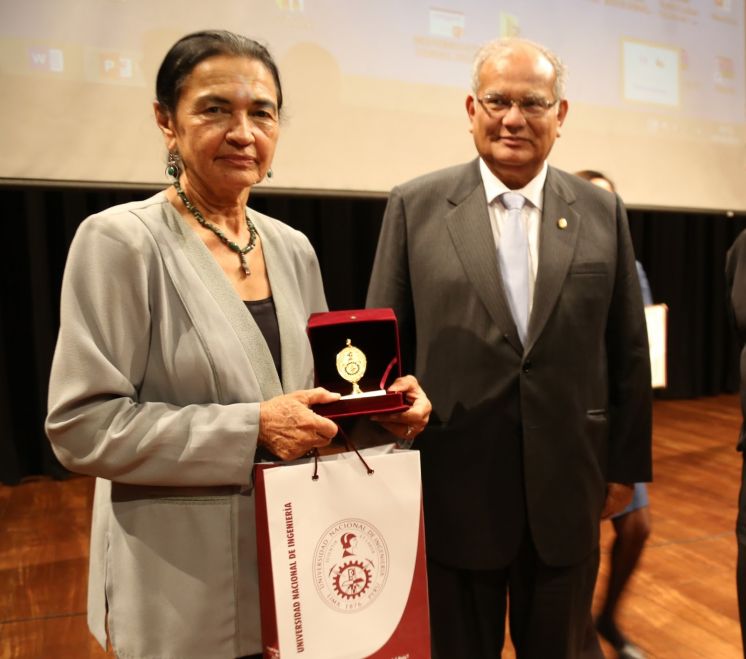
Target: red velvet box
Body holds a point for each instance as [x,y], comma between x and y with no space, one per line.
[376,333]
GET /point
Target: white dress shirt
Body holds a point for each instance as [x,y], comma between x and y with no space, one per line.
[533,191]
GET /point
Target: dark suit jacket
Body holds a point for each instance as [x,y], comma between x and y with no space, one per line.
[519,434]
[735,277]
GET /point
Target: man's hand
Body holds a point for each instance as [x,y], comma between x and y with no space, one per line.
[618,497]
[407,425]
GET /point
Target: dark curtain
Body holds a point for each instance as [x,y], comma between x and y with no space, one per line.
[683,255]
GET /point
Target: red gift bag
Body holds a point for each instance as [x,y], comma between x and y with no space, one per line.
[342,557]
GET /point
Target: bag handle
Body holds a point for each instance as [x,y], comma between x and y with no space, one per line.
[350,446]
[385,377]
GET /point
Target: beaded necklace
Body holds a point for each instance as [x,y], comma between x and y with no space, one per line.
[234,247]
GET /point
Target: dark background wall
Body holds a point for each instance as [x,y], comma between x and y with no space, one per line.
[683,255]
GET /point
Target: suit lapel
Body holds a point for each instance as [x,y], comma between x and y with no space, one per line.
[469,228]
[259,358]
[557,241]
[281,273]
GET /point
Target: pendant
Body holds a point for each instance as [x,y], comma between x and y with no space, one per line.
[244,264]
[351,365]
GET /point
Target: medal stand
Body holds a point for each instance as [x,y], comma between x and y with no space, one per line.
[356,353]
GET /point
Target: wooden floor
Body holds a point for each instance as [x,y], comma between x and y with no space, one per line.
[681,603]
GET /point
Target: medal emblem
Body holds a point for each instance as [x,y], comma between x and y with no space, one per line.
[351,364]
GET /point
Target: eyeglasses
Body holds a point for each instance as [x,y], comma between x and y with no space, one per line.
[531,107]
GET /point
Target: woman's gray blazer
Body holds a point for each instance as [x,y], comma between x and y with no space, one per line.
[155,390]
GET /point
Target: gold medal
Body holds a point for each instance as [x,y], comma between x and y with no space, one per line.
[351,364]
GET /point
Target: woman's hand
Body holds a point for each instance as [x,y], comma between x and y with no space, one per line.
[407,425]
[289,429]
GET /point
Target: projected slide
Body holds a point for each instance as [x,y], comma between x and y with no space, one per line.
[651,74]
[375,90]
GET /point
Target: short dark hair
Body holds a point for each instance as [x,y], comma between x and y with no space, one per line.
[590,174]
[193,48]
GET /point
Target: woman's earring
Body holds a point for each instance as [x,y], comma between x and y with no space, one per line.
[172,167]
[270,173]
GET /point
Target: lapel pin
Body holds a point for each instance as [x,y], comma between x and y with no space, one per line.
[562,223]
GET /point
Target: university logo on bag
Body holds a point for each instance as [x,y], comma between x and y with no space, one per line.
[350,565]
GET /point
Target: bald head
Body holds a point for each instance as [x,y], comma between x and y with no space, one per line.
[502,47]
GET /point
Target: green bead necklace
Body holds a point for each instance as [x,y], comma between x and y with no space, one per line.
[234,247]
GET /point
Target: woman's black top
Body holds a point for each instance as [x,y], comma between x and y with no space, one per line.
[265,315]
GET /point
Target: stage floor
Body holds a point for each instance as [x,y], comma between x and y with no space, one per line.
[681,603]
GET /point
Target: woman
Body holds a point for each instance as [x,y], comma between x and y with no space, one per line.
[632,525]
[182,323]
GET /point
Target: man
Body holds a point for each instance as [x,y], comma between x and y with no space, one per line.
[530,340]
[735,276]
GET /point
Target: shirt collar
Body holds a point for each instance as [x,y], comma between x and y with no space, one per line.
[494,187]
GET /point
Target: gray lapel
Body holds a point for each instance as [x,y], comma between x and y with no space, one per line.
[556,249]
[282,278]
[469,227]
[242,322]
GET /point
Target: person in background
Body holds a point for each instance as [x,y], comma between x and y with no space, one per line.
[518,303]
[182,360]
[632,525]
[735,277]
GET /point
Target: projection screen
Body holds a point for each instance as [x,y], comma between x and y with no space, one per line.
[375,91]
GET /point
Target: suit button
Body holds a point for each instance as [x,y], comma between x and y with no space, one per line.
[527,366]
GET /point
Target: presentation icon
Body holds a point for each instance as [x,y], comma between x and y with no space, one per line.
[448,24]
[651,73]
[113,66]
[46,59]
[510,25]
[725,70]
[290,5]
